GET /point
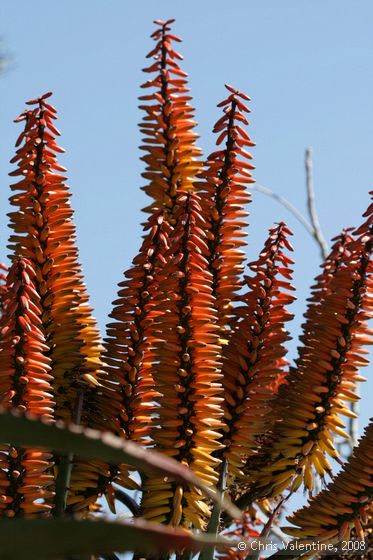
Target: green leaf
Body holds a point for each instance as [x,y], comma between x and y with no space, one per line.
[27,431]
[43,539]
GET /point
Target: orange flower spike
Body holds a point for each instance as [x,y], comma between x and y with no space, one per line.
[339,252]
[186,370]
[124,402]
[344,504]
[254,360]
[169,141]
[225,183]
[25,385]
[44,233]
[129,339]
[171,165]
[327,369]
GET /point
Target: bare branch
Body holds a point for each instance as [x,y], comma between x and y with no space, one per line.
[276,531]
[317,233]
[313,225]
[213,526]
[353,428]
[127,501]
[353,431]
[254,555]
[288,205]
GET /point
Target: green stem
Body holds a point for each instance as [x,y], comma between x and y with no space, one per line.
[65,468]
[214,523]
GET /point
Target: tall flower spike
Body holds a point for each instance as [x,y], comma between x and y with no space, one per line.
[339,253]
[124,403]
[45,234]
[186,370]
[225,181]
[344,505]
[128,338]
[171,166]
[169,141]
[254,360]
[311,403]
[25,385]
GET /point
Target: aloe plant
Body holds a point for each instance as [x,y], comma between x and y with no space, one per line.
[189,397]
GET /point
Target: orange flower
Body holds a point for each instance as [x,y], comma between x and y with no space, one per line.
[186,369]
[129,339]
[169,141]
[254,360]
[224,183]
[310,404]
[44,233]
[124,402]
[25,385]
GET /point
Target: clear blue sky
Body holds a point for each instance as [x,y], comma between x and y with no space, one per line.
[307,65]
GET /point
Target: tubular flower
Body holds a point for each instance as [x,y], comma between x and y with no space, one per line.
[186,370]
[25,385]
[45,234]
[310,404]
[124,403]
[169,141]
[254,360]
[225,183]
[345,504]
